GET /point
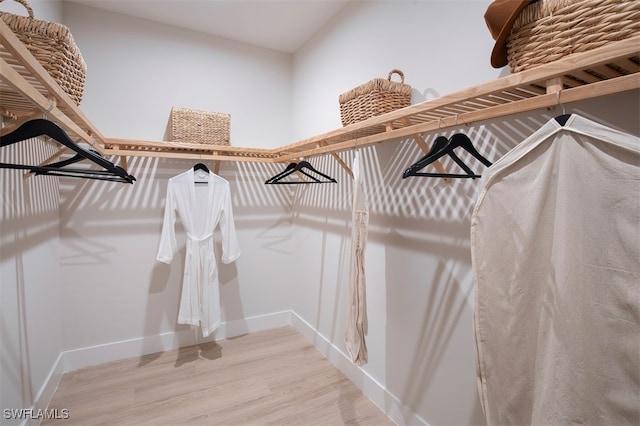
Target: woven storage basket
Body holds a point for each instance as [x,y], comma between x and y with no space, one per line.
[195,126]
[373,98]
[549,30]
[53,46]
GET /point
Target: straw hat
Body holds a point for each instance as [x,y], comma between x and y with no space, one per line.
[500,16]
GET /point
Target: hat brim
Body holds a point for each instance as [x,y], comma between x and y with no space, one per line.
[499,57]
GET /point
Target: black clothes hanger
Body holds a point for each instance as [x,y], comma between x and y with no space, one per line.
[439,144]
[200,166]
[57,169]
[562,119]
[442,147]
[286,172]
[39,127]
[303,167]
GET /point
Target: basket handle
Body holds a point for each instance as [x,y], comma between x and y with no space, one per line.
[26,6]
[393,71]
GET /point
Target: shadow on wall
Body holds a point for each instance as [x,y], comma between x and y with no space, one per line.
[389,195]
[126,208]
[422,225]
[430,363]
[429,351]
[27,201]
[28,248]
[92,209]
[106,225]
[16,370]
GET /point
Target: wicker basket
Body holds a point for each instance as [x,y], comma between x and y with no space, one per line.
[53,46]
[549,30]
[194,126]
[373,98]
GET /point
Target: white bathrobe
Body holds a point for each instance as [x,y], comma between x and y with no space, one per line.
[555,242]
[201,207]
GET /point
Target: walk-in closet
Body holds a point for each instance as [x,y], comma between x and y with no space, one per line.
[320,212]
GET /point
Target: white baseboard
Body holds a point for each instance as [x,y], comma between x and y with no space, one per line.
[388,403]
[99,354]
[45,394]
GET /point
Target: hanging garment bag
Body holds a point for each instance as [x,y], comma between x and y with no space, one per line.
[555,242]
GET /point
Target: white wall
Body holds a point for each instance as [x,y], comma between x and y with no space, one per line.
[295,241]
[30,316]
[418,258]
[47,10]
[84,273]
[137,70]
[440,46]
[113,288]
[418,262]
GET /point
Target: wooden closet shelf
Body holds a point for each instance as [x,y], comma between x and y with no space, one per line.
[142,148]
[26,90]
[611,69]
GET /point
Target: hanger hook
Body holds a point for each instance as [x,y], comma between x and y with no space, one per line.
[439,123]
[52,104]
[560,103]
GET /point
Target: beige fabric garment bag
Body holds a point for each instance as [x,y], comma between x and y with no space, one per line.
[356,329]
[555,241]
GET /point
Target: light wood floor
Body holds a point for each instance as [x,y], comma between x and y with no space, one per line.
[265,378]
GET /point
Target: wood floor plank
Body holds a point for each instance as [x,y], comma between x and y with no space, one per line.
[273,377]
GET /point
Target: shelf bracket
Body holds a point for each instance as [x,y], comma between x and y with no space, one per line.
[123,158]
[338,159]
[52,157]
[555,84]
[343,164]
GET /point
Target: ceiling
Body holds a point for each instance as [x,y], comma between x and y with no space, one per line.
[282,25]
